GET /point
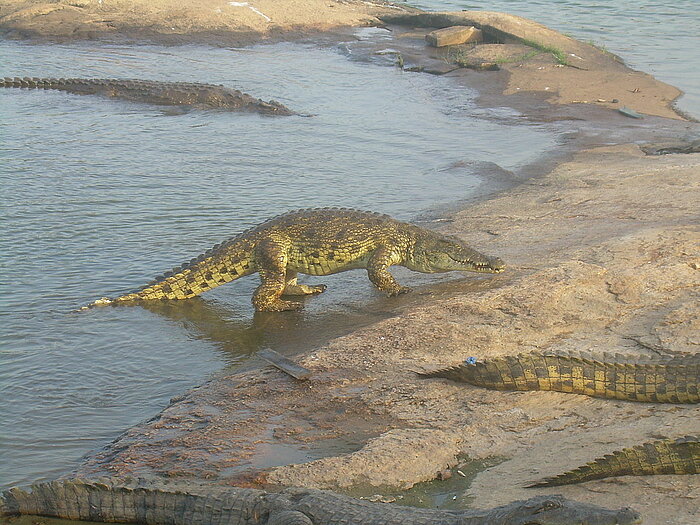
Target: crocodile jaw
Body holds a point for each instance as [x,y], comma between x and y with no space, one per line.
[556,510]
[483,264]
[436,253]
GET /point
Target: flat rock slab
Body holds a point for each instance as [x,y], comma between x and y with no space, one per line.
[174,22]
[572,71]
[451,36]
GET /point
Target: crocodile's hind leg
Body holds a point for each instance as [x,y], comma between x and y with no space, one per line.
[291,287]
[271,259]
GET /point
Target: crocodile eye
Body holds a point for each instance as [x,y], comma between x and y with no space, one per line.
[547,505]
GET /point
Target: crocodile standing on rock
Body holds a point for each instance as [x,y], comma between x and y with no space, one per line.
[159,502]
[315,242]
[674,379]
[191,94]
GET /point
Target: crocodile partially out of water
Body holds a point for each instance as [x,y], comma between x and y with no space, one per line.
[674,379]
[315,242]
[198,504]
[190,94]
[666,456]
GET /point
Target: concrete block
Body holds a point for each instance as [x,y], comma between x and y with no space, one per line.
[451,36]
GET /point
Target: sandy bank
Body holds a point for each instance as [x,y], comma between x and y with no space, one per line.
[604,256]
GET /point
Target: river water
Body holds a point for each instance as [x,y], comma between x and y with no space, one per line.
[99,196]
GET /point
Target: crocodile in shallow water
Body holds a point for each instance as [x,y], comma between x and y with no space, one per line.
[667,456]
[613,376]
[197,504]
[315,242]
[155,92]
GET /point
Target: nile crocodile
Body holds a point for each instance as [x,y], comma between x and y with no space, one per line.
[613,376]
[155,92]
[197,504]
[667,456]
[315,242]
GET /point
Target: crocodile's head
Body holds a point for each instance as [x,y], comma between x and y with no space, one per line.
[273,108]
[436,253]
[557,510]
[233,99]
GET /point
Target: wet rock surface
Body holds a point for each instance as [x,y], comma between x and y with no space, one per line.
[566,70]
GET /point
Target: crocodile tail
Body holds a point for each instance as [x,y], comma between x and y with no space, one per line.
[133,502]
[672,380]
[501,373]
[223,263]
[45,83]
[91,86]
[25,82]
[671,456]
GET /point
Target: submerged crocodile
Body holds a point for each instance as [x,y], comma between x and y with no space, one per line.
[315,242]
[155,92]
[667,456]
[194,504]
[613,376]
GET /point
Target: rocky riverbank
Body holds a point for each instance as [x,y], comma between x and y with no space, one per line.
[604,257]
[603,254]
[210,21]
[536,58]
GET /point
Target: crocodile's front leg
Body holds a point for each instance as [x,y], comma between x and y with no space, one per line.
[271,259]
[291,287]
[377,266]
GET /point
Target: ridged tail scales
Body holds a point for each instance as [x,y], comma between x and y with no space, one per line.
[222,264]
[611,376]
[134,503]
[169,91]
[670,456]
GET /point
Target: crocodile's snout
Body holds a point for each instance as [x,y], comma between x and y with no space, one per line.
[497,265]
[627,515]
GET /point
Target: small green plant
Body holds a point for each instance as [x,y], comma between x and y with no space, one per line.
[557,53]
[456,55]
[600,47]
[519,58]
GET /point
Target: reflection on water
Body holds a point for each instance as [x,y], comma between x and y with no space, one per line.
[100,196]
